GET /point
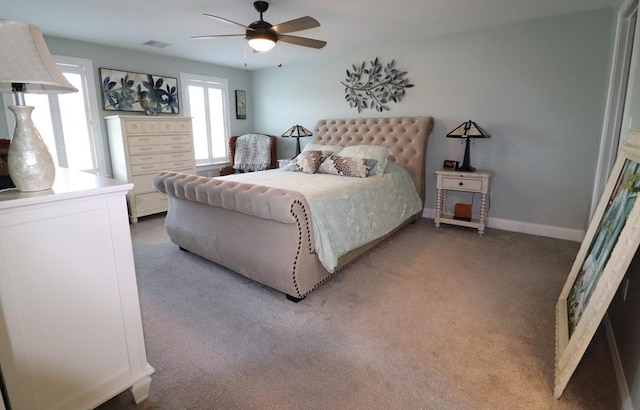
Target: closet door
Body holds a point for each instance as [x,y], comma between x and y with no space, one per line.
[624,95]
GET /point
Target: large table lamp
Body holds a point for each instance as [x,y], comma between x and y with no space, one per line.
[27,66]
[297,132]
[468,130]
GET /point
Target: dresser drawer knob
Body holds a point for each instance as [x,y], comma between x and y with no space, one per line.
[460,183]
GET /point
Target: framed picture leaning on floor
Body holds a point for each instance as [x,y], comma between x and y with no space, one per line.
[602,261]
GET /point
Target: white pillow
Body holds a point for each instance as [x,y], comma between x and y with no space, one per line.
[320,147]
[377,152]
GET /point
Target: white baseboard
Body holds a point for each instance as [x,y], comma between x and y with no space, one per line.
[575,235]
[625,395]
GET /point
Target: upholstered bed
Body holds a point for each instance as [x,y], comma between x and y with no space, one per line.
[266,233]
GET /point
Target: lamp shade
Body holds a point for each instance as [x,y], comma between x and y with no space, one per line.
[297,131]
[25,59]
[468,129]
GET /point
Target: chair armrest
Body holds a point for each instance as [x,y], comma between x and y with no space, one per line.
[227,170]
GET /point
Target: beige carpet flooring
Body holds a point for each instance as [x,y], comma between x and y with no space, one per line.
[431,319]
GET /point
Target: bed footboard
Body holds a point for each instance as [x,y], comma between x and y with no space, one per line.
[262,233]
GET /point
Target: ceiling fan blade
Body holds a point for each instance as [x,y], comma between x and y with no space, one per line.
[302,41]
[216,35]
[299,24]
[227,20]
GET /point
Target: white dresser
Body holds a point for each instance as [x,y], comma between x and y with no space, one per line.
[140,147]
[70,326]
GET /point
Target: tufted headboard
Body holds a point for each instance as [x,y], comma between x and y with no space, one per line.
[405,136]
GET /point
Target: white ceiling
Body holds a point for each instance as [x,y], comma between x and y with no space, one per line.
[345,24]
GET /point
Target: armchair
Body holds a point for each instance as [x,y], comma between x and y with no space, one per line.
[231,169]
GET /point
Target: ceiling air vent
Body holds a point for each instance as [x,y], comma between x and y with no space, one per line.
[157,44]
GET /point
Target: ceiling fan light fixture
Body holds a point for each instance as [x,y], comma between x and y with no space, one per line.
[262,44]
[261,41]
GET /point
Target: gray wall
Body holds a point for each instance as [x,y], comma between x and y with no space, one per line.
[127,60]
[539,88]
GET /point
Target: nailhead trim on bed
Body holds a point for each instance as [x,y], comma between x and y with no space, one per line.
[300,233]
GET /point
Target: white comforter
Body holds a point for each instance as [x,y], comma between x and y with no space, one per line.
[346,212]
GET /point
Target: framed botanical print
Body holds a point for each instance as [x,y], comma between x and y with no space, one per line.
[130,91]
[241,105]
[602,262]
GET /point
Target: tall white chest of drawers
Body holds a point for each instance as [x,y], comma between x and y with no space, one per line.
[142,146]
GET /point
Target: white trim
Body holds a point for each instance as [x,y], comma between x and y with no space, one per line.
[616,95]
[185,78]
[625,395]
[568,234]
[92,101]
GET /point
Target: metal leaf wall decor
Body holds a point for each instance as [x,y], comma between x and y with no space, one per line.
[375,85]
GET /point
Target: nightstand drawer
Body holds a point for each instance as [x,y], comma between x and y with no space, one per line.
[462,183]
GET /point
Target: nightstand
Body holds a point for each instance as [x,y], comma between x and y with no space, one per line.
[474,182]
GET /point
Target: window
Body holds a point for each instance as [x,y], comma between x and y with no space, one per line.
[68,122]
[205,100]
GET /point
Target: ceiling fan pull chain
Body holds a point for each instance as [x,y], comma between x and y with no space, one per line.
[245,54]
[279,59]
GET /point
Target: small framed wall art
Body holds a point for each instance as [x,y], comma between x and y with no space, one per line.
[603,259]
[241,105]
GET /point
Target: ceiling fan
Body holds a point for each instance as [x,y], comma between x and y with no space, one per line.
[262,36]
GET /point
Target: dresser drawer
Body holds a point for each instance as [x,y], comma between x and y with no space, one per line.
[466,183]
[173,165]
[177,156]
[143,140]
[177,147]
[133,127]
[151,201]
[177,139]
[146,168]
[178,126]
[143,183]
[151,127]
[145,149]
[145,159]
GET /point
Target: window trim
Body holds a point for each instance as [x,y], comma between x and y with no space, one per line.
[224,85]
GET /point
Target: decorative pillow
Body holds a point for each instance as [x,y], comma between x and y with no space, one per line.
[350,167]
[377,152]
[320,147]
[307,161]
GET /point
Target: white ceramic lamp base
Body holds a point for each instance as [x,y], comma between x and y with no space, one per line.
[31,166]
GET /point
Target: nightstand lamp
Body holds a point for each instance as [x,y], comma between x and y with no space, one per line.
[468,130]
[297,132]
